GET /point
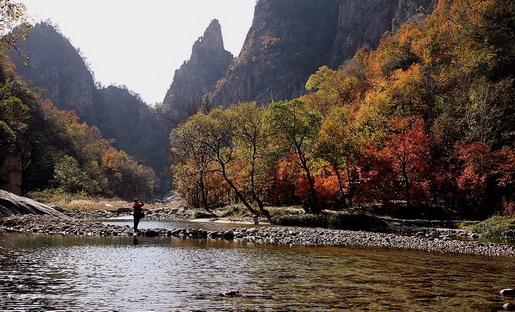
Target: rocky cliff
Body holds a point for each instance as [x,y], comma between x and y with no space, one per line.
[198,76]
[56,67]
[290,39]
[365,21]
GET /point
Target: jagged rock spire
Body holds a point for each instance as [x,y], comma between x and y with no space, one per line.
[198,76]
[212,38]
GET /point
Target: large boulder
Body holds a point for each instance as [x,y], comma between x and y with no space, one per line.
[11,204]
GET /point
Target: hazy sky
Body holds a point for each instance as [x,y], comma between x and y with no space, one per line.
[140,43]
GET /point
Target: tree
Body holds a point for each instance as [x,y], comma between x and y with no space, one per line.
[223,139]
[191,159]
[14,24]
[333,88]
[250,142]
[338,145]
[71,178]
[406,149]
[297,126]
[486,178]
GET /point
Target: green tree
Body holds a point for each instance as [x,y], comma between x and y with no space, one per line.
[250,142]
[297,127]
[338,145]
[71,178]
[191,162]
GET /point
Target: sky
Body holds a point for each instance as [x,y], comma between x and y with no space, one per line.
[139,43]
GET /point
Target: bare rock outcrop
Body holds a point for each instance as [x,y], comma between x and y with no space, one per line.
[208,62]
[290,39]
[11,204]
[11,168]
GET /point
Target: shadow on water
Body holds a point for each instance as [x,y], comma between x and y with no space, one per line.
[170,274]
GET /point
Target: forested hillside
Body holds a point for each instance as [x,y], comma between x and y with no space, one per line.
[425,122]
[44,148]
[52,64]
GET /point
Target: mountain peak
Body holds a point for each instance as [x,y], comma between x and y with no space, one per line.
[212,38]
[198,76]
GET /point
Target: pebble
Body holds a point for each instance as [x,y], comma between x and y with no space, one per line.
[275,235]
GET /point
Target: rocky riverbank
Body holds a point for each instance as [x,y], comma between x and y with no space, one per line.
[155,214]
[274,235]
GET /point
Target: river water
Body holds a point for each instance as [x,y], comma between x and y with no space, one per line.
[56,273]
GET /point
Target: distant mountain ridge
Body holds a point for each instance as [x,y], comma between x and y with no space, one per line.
[58,69]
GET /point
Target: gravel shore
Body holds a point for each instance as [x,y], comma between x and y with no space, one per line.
[52,225]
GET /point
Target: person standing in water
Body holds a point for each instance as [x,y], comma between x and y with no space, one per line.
[137,212]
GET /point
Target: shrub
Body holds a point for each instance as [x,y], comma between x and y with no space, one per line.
[233,211]
[496,228]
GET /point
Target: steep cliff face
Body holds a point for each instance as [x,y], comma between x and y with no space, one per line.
[365,21]
[198,76]
[55,66]
[289,40]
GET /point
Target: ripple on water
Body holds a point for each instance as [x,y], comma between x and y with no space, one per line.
[84,274]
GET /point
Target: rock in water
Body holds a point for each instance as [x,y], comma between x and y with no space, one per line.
[231,293]
[508,293]
[11,204]
[509,307]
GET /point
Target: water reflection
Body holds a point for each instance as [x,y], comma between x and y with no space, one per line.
[172,224]
[164,274]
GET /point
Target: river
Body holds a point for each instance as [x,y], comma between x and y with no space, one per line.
[57,273]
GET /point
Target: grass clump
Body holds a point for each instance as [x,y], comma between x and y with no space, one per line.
[79,201]
[52,196]
[496,228]
[332,220]
[236,211]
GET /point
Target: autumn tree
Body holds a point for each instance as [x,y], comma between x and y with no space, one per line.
[250,141]
[297,126]
[339,146]
[14,25]
[191,161]
[406,149]
[486,178]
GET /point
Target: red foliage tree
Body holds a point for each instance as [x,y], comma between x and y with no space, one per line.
[405,153]
[486,178]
